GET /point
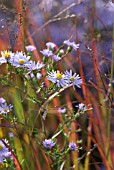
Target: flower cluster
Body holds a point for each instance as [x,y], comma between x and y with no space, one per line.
[49,144]
[4,108]
[49,52]
[64,79]
[22,61]
[4,152]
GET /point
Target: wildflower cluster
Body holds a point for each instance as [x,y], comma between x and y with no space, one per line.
[49,52]
[51,146]
[19,60]
[20,63]
[53,150]
[56,55]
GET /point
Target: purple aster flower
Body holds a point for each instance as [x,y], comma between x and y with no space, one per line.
[20,60]
[30,48]
[74,79]
[50,45]
[4,108]
[48,143]
[47,53]
[73,45]
[81,107]
[57,77]
[2,60]
[62,110]
[72,146]
[56,58]
[4,152]
[35,66]
[2,100]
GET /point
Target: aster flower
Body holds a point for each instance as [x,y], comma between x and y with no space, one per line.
[20,60]
[48,143]
[81,107]
[57,77]
[50,45]
[74,79]
[2,60]
[4,152]
[35,66]
[30,48]
[56,58]
[2,100]
[61,110]
[4,108]
[72,146]
[47,53]
[7,54]
[72,45]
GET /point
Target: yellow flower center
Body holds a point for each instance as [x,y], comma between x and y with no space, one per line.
[6,54]
[5,110]
[72,79]
[59,76]
[1,147]
[21,61]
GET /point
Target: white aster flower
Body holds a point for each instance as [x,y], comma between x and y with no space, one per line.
[20,60]
[57,78]
[73,78]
